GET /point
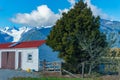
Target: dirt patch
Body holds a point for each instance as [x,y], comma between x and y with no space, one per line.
[110,77]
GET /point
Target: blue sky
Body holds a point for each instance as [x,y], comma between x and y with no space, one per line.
[45,12]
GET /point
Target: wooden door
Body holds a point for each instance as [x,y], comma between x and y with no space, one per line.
[4,60]
[8,60]
[11,60]
[19,60]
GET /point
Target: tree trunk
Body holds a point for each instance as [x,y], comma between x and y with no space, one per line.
[83,67]
[119,69]
[90,69]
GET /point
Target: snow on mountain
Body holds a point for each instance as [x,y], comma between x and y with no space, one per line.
[32,34]
[5,37]
[15,32]
[26,33]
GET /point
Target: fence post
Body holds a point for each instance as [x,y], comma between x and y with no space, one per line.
[44,65]
[60,68]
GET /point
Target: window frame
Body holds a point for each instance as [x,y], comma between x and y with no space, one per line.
[29,57]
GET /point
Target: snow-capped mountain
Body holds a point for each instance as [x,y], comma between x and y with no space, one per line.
[13,34]
[25,33]
[36,34]
[33,34]
[5,37]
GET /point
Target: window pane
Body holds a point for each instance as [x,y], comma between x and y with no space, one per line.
[29,57]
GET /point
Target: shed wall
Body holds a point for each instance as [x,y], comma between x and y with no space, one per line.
[25,64]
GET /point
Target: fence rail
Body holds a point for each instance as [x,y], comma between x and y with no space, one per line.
[50,66]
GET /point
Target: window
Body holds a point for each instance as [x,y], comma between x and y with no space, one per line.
[29,58]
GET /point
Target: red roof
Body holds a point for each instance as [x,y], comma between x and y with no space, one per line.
[27,44]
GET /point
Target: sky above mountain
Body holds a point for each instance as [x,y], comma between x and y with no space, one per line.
[39,13]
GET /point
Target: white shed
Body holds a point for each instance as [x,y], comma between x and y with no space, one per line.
[25,55]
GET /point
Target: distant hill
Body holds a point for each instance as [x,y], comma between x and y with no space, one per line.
[112,31]
[115,52]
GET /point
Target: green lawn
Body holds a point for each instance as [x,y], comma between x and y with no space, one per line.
[51,79]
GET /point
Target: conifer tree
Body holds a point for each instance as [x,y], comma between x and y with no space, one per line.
[76,36]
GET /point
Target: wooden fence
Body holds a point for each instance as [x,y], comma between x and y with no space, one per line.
[50,66]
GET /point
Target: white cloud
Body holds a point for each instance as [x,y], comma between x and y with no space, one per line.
[43,16]
[64,10]
[96,11]
[72,2]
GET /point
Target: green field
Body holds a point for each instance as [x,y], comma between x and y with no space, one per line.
[107,77]
[51,79]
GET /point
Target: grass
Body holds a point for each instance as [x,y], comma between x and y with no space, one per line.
[108,77]
[51,78]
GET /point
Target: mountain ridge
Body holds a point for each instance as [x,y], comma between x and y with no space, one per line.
[39,33]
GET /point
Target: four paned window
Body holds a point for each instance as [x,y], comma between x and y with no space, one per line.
[29,57]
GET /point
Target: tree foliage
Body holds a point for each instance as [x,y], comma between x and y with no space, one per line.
[76,36]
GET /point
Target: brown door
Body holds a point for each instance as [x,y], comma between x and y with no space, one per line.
[19,60]
[11,60]
[4,60]
[8,60]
